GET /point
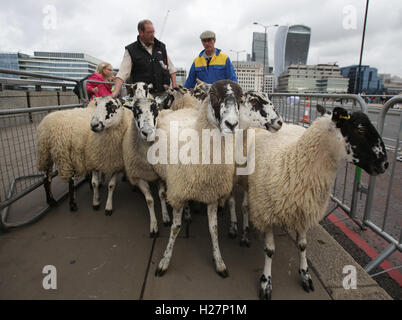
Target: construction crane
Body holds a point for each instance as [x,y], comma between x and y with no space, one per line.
[163,25]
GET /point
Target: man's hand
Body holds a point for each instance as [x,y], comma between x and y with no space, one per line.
[117,87]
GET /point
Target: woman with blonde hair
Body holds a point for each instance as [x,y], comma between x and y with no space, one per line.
[104,73]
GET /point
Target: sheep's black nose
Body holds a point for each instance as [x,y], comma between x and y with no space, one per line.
[231,126]
[145,134]
[280,123]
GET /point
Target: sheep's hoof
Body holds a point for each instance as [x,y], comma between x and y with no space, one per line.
[266,288]
[159,272]
[73,206]
[96,207]
[307,282]
[153,234]
[52,203]
[266,294]
[233,230]
[108,212]
[244,242]
[223,273]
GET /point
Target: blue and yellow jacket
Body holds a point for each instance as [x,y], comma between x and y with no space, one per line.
[220,68]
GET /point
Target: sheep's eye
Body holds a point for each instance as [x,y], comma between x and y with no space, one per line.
[361,131]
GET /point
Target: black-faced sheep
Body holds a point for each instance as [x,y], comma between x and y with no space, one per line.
[294,172]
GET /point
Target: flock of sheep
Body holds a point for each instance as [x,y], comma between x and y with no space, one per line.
[294,168]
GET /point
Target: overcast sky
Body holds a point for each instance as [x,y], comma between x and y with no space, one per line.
[103,28]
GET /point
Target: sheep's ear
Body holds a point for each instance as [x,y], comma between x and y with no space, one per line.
[206,87]
[126,102]
[340,116]
[130,90]
[321,109]
[150,86]
[164,101]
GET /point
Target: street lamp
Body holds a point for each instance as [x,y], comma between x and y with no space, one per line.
[357,89]
[237,57]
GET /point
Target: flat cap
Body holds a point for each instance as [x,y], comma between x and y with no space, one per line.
[207,35]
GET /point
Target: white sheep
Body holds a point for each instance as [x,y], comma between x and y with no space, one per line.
[130,146]
[139,136]
[61,140]
[294,171]
[207,183]
[256,112]
[103,153]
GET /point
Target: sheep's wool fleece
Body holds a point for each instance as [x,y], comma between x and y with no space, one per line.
[185,101]
[104,151]
[205,183]
[295,170]
[135,156]
[62,138]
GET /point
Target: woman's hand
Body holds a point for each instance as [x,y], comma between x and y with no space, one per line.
[95,90]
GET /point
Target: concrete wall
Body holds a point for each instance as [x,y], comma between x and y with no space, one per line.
[14,99]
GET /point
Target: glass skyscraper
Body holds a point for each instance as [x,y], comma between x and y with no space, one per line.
[291,47]
[257,52]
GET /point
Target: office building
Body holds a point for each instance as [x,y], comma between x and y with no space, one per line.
[370,83]
[257,53]
[61,64]
[250,76]
[8,61]
[392,84]
[181,76]
[291,47]
[321,78]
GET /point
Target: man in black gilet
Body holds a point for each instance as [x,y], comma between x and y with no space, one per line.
[146,60]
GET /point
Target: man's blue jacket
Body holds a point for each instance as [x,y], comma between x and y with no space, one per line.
[219,68]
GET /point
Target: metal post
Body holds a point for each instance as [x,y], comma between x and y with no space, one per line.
[265,48]
[357,89]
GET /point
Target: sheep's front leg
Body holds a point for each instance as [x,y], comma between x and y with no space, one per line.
[174,232]
[233,217]
[111,187]
[244,210]
[187,217]
[213,230]
[307,282]
[146,190]
[162,198]
[71,194]
[95,190]
[266,278]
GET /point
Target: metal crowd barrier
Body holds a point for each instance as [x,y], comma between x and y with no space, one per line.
[350,187]
[394,158]
[18,170]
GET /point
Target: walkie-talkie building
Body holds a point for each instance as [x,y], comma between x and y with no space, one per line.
[291,47]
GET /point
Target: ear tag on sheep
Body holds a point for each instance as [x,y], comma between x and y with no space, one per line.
[344,117]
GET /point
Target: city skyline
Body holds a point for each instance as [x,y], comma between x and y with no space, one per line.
[336,28]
